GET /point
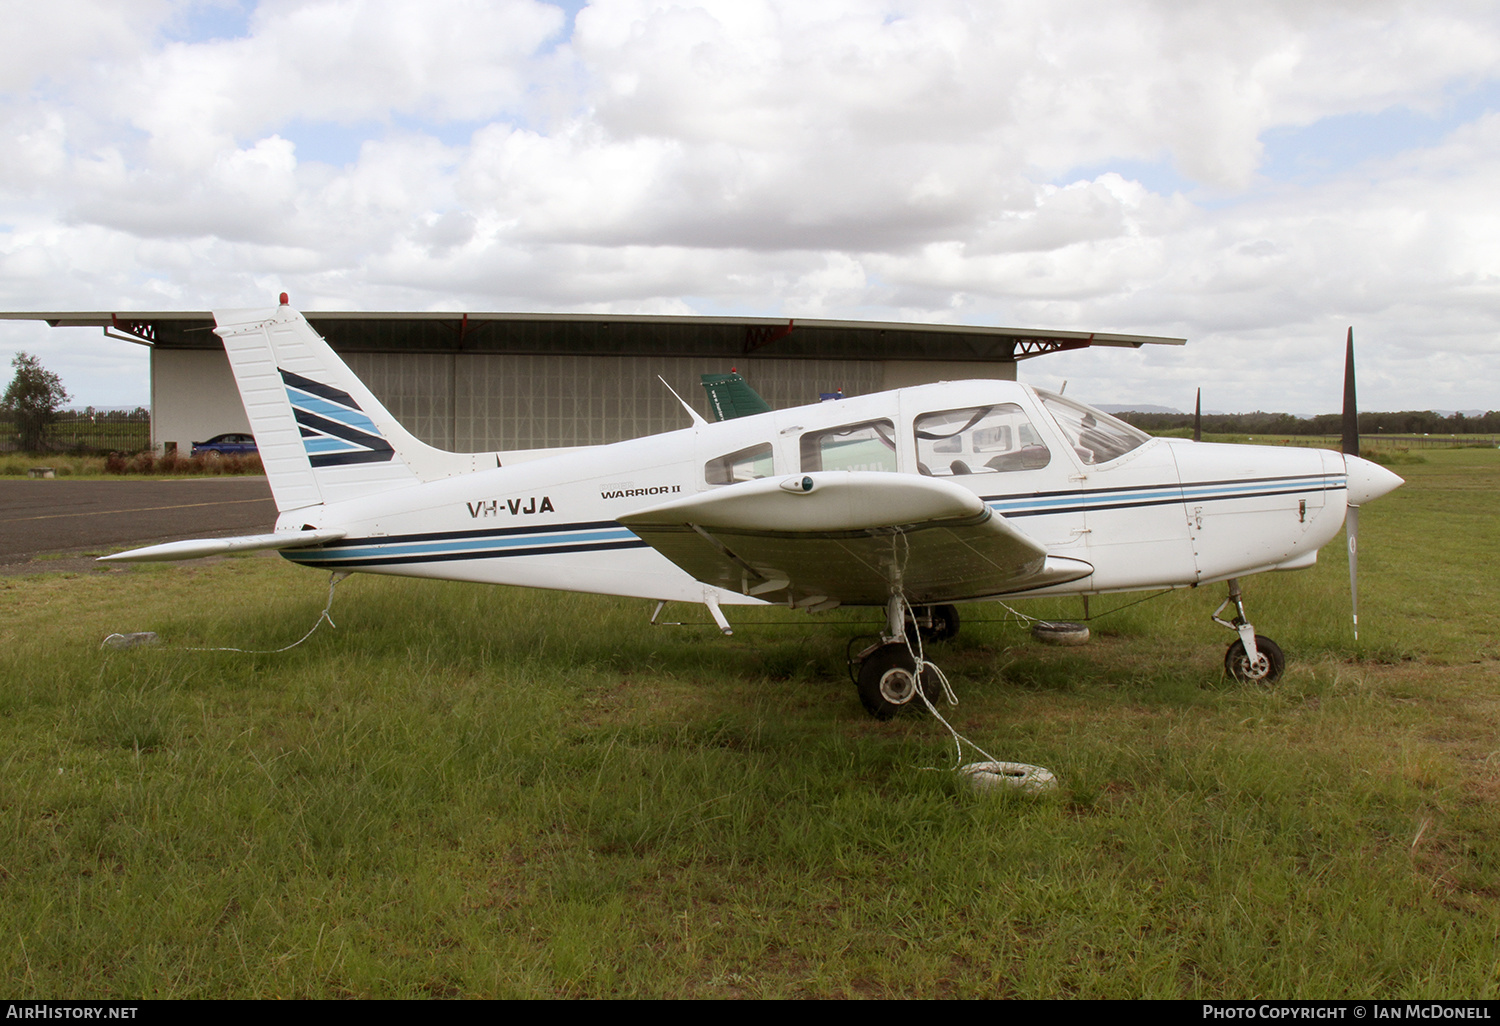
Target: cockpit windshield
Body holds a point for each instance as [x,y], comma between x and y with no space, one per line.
[1095,435]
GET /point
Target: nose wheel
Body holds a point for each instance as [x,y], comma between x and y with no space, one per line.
[1265,668]
[1254,657]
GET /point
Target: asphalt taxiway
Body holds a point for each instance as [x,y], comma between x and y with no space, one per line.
[79,519]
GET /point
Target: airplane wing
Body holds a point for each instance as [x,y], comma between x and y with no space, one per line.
[824,539]
[198,547]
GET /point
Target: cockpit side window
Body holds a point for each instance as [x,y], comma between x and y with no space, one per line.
[867,446]
[1095,435]
[978,440]
[743,465]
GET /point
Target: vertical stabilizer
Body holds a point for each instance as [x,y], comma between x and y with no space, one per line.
[731,396]
[323,436]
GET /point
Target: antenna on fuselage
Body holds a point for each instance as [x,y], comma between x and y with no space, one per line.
[698,420]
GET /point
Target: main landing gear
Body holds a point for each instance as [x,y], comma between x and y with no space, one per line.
[1253,657]
[888,677]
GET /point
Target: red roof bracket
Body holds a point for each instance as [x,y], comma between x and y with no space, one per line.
[758,335]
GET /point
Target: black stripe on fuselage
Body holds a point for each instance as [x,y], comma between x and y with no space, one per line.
[494,532]
[449,557]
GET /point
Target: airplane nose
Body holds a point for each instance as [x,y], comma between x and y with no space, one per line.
[1368,481]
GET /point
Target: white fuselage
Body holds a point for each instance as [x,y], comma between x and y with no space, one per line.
[1166,513]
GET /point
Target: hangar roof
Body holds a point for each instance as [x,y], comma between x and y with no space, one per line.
[619,335]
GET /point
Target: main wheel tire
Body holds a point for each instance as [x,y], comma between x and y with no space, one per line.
[1267,669]
[888,681]
[942,624]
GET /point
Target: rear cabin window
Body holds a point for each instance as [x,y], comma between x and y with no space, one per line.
[744,465]
[978,440]
[867,446]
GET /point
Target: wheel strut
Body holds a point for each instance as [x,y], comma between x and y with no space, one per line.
[1253,657]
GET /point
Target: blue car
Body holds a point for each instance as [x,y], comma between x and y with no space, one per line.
[226,445]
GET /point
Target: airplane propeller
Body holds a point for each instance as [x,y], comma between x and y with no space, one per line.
[1366,480]
[1198,417]
[1351,448]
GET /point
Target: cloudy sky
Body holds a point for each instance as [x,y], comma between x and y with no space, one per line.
[1255,177]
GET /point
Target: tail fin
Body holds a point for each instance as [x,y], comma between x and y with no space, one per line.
[322,435]
[731,397]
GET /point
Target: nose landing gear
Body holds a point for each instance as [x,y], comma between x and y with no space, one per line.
[1253,657]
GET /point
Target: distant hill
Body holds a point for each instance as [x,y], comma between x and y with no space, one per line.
[1137,408]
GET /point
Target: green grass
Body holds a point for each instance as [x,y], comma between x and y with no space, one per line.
[467,791]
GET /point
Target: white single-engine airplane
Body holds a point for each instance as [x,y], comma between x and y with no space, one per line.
[909,500]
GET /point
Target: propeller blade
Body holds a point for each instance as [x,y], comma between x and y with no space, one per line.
[1365,481]
[1351,534]
[1351,408]
[1198,417]
[1351,448]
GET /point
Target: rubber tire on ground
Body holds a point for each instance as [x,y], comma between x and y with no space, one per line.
[892,656]
[1060,633]
[1238,666]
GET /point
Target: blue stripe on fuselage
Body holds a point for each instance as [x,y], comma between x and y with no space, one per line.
[446,546]
[1050,503]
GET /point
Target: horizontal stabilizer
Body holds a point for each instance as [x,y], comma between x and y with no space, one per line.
[197,548]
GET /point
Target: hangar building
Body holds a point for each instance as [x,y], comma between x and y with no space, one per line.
[480,382]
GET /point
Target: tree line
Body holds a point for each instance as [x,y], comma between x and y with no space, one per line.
[140,413]
[1405,422]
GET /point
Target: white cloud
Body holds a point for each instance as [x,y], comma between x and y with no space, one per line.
[937,160]
[340,61]
[60,39]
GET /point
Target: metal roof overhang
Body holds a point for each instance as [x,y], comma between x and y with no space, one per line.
[619,335]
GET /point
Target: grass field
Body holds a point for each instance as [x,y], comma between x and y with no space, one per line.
[467,791]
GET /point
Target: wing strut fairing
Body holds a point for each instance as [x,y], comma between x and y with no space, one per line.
[824,539]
